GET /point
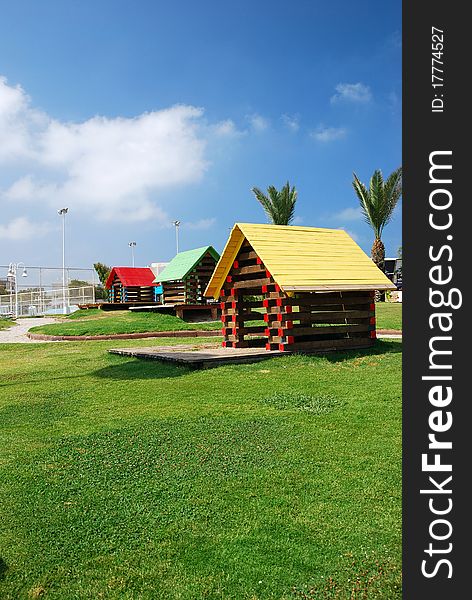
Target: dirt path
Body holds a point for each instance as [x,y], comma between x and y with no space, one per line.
[17,333]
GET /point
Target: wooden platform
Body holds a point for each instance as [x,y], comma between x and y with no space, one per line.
[207,356]
[199,358]
[186,312]
[212,311]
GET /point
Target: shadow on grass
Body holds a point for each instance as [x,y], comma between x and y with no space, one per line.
[3,568]
[23,382]
[380,347]
[139,368]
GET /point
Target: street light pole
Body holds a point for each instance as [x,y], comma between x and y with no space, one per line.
[16,294]
[40,293]
[62,212]
[176,224]
[132,245]
[11,276]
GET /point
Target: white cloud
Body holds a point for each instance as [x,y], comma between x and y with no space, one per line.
[258,122]
[227,128]
[352,92]
[201,224]
[348,214]
[395,40]
[22,229]
[21,189]
[291,122]
[109,168]
[18,121]
[328,134]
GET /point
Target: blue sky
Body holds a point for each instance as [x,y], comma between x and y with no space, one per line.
[136,113]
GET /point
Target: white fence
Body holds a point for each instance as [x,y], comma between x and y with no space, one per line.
[41,301]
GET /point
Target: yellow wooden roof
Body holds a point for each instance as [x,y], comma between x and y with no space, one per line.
[302,259]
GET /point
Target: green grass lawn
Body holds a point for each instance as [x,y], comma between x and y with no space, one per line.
[6,323]
[124,478]
[389,315]
[99,322]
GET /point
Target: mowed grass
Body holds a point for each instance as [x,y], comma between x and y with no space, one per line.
[100,322]
[6,323]
[124,478]
[389,315]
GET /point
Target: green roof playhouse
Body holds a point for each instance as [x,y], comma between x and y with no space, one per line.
[186,277]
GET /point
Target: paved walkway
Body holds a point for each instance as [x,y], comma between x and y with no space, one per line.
[391,336]
[17,333]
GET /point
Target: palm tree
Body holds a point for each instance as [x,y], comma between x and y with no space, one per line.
[377,204]
[279,206]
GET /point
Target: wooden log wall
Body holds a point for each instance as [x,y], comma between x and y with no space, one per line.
[115,293]
[256,313]
[321,321]
[139,294]
[242,301]
[119,294]
[174,292]
[191,290]
[198,279]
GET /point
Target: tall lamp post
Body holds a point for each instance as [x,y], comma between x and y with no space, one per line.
[62,212]
[176,225]
[132,245]
[11,277]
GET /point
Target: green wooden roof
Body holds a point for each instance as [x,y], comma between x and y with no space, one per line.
[184,262]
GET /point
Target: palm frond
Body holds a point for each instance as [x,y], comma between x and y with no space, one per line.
[264,201]
[278,205]
[363,195]
[379,201]
[393,192]
[288,199]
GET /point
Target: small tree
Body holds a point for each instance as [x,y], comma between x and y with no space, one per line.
[102,271]
[378,203]
[77,283]
[101,293]
[278,206]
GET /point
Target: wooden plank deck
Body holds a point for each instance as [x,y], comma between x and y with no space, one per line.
[198,357]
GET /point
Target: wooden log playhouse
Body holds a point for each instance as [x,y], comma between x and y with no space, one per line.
[187,275]
[300,289]
[132,285]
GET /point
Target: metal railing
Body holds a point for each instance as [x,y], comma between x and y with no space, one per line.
[41,301]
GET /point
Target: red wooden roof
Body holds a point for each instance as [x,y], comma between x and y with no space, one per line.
[131,276]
